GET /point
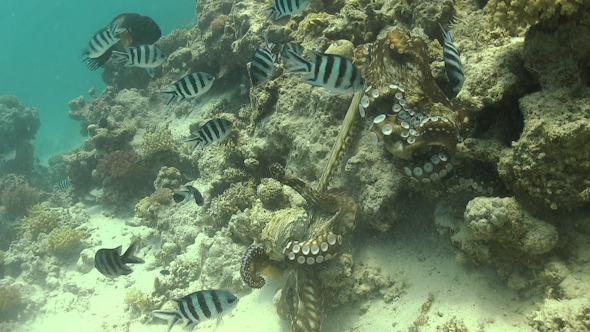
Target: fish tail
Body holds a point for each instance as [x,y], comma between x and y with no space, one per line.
[172,96]
[171,316]
[129,257]
[194,142]
[297,63]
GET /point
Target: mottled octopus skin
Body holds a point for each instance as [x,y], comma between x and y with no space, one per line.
[252,257]
[301,302]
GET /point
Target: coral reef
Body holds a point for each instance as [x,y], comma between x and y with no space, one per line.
[65,242]
[39,221]
[519,13]
[18,125]
[16,195]
[567,315]
[12,303]
[158,141]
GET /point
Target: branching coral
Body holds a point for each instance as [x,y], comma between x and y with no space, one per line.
[118,163]
[157,141]
[16,195]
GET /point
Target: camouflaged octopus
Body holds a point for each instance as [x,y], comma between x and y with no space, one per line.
[413,117]
[301,299]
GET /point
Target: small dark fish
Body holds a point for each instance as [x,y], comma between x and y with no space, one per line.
[286,7]
[263,64]
[103,40]
[453,65]
[137,30]
[184,195]
[211,132]
[165,272]
[142,56]
[103,122]
[335,73]
[197,307]
[62,185]
[190,86]
[111,263]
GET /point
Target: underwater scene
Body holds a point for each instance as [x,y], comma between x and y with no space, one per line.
[295,165]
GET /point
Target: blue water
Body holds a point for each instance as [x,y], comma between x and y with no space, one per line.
[40,59]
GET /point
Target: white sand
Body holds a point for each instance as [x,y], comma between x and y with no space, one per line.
[413,249]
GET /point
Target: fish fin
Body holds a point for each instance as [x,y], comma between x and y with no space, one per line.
[269,11]
[297,63]
[194,142]
[190,325]
[119,57]
[129,257]
[196,195]
[447,36]
[171,316]
[151,71]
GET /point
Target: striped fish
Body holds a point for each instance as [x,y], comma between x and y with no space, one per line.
[291,47]
[190,86]
[211,132]
[110,262]
[143,56]
[286,7]
[62,185]
[263,64]
[103,40]
[452,59]
[334,73]
[197,307]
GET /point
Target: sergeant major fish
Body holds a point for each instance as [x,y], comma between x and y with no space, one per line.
[335,73]
[197,307]
[211,132]
[286,7]
[263,64]
[190,86]
[111,263]
[453,65]
[103,40]
[143,56]
[184,195]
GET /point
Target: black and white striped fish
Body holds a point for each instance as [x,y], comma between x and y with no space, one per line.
[211,132]
[197,307]
[335,73]
[453,65]
[143,56]
[286,7]
[190,86]
[111,263]
[184,194]
[62,185]
[103,40]
[263,64]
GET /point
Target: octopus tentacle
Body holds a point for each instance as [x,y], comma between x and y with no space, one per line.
[319,249]
[301,302]
[252,260]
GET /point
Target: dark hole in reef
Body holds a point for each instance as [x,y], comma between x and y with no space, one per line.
[481,3]
[504,123]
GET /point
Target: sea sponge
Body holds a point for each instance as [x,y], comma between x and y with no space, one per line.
[16,195]
[11,303]
[513,14]
[119,163]
[65,241]
[159,140]
[39,221]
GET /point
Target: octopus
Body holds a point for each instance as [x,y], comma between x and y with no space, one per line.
[413,118]
[301,297]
